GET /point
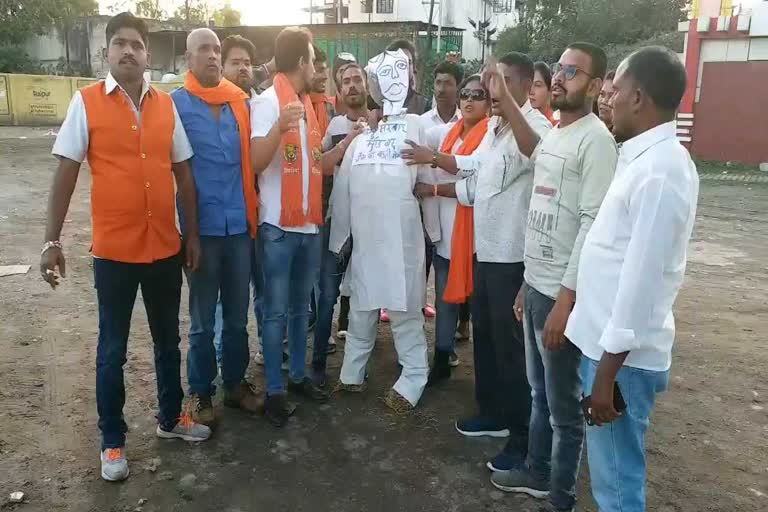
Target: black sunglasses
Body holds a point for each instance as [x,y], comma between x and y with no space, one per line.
[473,94]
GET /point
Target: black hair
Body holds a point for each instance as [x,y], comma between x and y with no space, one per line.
[545,72]
[521,61]
[610,75]
[659,72]
[596,54]
[449,68]
[291,45]
[320,55]
[127,20]
[403,44]
[351,65]
[237,42]
[473,78]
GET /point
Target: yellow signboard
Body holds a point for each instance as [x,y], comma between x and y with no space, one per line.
[40,99]
[5,104]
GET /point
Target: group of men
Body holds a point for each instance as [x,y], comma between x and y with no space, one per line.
[568,251]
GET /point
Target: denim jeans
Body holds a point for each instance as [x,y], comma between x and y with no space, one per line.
[501,387]
[116,285]
[290,262]
[225,263]
[329,281]
[447,314]
[257,285]
[616,451]
[556,434]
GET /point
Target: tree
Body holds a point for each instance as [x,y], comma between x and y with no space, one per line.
[150,9]
[71,11]
[226,16]
[20,19]
[192,13]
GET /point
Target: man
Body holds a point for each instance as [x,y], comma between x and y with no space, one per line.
[500,191]
[603,101]
[341,132]
[631,269]
[286,153]
[136,145]
[342,59]
[215,114]
[574,165]
[320,101]
[373,203]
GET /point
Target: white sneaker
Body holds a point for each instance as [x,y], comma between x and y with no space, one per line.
[114,466]
[186,430]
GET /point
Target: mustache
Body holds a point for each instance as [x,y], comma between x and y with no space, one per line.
[126,60]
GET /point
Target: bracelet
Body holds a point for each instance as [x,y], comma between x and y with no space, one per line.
[49,244]
[435,190]
[434,160]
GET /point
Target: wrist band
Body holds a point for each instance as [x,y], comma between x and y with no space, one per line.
[434,160]
[49,244]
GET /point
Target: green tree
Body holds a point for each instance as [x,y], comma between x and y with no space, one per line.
[19,19]
[150,9]
[226,16]
[192,13]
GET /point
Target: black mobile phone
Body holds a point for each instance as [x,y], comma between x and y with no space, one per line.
[618,403]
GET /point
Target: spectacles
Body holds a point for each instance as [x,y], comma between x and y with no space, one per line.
[473,94]
[346,56]
[569,70]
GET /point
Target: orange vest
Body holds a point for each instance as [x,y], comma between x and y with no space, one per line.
[132,187]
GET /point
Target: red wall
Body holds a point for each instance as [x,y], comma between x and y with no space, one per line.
[731,117]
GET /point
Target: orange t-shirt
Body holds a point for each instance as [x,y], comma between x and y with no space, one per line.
[132,187]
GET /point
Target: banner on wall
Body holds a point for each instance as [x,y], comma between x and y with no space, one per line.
[40,100]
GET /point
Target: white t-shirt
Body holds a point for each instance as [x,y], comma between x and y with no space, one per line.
[265,111]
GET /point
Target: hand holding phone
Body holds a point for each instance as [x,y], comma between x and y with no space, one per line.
[602,414]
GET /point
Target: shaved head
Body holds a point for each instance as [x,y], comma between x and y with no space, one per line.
[204,56]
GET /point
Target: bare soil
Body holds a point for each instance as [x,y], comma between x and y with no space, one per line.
[707,445]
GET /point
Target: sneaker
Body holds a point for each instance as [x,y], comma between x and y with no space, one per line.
[114,466]
[342,335]
[201,409]
[259,358]
[244,397]
[479,426]
[308,389]
[383,316]
[397,403]
[453,360]
[340,387]
[429,311]
[462,332]
[186,430]
[506,461]
[278,409]
[520,481]
[331,345]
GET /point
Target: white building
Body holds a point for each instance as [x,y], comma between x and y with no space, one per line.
[449,13]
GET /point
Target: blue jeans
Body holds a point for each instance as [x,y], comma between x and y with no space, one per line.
[257,285]
[116,285]
[290,262]
[225,264]
[616,451]
[556,433]
[329,281]
[447,314]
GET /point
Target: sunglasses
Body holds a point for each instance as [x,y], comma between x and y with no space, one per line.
[473,94]
[569,70]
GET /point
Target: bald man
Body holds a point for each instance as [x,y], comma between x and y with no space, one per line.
[215,114]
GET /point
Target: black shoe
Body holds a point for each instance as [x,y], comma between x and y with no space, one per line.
[309,389]
[441,368]
[278,409]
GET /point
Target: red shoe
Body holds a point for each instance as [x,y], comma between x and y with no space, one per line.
[429,311]
[383,316]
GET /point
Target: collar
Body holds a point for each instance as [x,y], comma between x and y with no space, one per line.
[111,84]
[435,114]
[526,108]
[639,144]
[253,93]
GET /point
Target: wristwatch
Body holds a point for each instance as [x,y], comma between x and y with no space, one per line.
[51,243]
[435,154]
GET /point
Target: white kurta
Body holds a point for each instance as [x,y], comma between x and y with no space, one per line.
[375,203]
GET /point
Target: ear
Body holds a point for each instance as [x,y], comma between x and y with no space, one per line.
[639,99]
[594,87]
[104,53]
[149,59]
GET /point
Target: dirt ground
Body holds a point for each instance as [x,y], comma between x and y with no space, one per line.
[707,444]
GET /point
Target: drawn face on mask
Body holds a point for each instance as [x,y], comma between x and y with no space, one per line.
[392,71]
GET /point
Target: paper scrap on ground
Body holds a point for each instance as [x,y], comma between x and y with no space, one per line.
[12,270]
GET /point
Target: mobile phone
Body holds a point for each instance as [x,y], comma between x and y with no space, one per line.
[618,403]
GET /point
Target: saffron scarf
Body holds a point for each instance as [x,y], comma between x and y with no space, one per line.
[320,105]
[292,194]
[228,93]
[459,287]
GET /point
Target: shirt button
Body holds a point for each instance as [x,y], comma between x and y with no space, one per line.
[143,156]
[146,184]
[134,127]
[149,213]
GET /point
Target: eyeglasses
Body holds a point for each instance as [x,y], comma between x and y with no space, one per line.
[569,70]
[346,56]
[473,94]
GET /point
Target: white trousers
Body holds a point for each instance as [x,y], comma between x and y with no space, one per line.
[410,344]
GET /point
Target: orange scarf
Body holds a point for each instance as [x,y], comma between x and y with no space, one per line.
[320,104]
[459,287]
[227,92]
[292,195]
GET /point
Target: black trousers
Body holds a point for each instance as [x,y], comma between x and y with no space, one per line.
[501,385]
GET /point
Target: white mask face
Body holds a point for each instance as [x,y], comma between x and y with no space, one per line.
[392,74]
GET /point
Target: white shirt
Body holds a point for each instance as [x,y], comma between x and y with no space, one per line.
[500,189]
[446,206]
[432,118]
[73,139]
[265,111]
[633,260]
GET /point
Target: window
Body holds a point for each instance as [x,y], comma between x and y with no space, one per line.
[366,6]
[385,6]
[503,6]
